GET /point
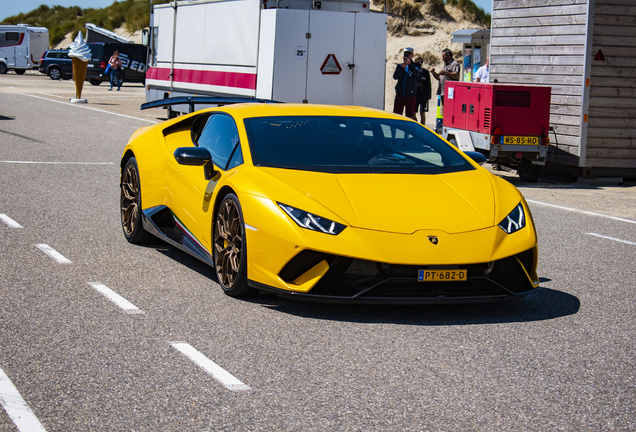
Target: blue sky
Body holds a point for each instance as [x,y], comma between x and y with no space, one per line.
[10,8]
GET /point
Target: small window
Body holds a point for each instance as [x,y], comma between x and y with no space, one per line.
[13,36]
[237,158]
[220,136]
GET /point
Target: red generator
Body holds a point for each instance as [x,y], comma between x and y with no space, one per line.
[509,124]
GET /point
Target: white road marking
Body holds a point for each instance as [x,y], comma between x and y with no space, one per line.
[53,254]
[582,211]
[52,95]
[6,219]
[115,298]
[16,407]
[96,118]
[613,238]
[58,163]
[217,372]
[88,108]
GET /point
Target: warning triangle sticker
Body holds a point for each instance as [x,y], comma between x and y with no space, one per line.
[599,56]
[330,66]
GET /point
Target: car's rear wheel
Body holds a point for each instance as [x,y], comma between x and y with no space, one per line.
[55,73]
[95,81]
[131,220]
[3,68]
[230,255]
[528,171]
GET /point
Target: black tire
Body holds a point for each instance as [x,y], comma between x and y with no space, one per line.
[130,204]
[528,171]
[55,73]
[230,254]
[3,68]
[95,81]
[453,141]
[19,71]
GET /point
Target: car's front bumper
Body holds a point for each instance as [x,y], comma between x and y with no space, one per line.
[366,266]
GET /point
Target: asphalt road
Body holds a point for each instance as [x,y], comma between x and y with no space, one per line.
[560,359]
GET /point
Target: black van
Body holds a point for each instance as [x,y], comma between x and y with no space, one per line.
[133,61]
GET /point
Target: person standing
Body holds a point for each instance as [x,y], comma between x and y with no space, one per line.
[406,73]
[483,73]
[450,71]
[423,91]
[115,65]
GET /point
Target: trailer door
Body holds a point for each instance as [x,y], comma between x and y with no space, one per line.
[331,42]
[21,57]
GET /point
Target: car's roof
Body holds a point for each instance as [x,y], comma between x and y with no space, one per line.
[247,110]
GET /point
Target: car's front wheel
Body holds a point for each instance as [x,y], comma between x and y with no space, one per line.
[55,73]
[230,254]
[131,220]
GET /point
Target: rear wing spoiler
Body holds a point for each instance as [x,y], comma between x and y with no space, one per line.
[192,100]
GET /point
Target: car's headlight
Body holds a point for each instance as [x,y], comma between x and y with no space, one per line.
[515,220]
[311,221]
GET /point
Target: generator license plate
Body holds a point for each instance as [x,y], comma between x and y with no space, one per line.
[523,140]
[442,275]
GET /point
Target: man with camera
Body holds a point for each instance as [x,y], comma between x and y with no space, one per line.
[407,74]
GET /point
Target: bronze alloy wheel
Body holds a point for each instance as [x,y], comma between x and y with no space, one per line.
[229,248]
[228,243]
[131,204]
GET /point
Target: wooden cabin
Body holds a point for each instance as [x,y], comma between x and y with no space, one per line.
[586,51]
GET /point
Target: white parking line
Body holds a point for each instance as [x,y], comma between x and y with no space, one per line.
[613,238]
[16,407]
[58,163]
[115,298]
[53,254]
[6,219]
[217,372]
[582,211]
[88,108]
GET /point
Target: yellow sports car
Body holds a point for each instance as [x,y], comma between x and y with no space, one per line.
[328,203]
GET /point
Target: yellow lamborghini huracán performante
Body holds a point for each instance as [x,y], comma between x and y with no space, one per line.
[328,203]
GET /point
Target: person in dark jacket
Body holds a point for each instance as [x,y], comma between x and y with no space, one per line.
[423,91]
[406,73]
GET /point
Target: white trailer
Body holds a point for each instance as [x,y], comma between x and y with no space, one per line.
[304,51]
[22,47]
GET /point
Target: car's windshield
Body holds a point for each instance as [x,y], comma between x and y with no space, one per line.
[349,145]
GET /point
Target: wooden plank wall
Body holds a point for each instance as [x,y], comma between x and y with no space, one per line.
[611,131]
[542,42]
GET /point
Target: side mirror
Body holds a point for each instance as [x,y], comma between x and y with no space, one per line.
[195,156]
[477,157]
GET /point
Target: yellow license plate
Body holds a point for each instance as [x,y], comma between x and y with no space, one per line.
[522,140]
[442,275]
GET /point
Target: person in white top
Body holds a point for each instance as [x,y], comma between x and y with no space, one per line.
[483,73]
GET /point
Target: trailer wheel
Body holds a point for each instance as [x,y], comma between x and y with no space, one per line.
[95,81]
[3,68]
[528,171]
[453,141]
[19,71]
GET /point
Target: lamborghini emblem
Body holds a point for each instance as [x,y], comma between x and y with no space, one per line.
[433,239]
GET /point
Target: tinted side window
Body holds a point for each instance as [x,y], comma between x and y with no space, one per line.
[13,36]
[237,158]
[219,136]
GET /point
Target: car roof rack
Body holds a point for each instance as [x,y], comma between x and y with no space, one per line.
[192,100]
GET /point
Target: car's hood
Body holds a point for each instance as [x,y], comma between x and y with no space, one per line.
[400,203]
